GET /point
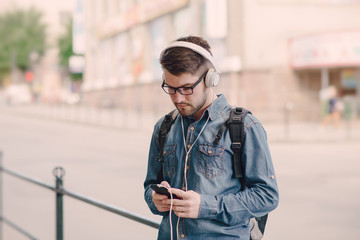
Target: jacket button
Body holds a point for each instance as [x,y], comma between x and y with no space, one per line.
[189,146]
[182,235]
[164,152]
[209,151]
[192,128]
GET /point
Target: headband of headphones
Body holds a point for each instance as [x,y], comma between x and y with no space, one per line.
[196,48]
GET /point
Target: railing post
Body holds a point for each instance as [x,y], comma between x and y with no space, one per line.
[1,198]
[59,172]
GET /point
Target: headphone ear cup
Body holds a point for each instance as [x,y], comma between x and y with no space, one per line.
[212,78]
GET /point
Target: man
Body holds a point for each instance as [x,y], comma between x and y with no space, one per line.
[196,169]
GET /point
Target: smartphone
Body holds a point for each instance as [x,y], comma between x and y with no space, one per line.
[160,189]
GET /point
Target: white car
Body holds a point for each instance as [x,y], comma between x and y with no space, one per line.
[18,94]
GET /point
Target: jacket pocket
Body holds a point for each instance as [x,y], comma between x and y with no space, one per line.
[169,160]
[210,162]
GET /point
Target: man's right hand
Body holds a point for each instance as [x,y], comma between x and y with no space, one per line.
[159,199]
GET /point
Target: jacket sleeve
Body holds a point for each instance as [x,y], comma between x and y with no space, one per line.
[260,195]
[153,169]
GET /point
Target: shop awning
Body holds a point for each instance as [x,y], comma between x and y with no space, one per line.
[336,49]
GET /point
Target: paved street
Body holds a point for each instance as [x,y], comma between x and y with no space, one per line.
[105,164]
[318,173]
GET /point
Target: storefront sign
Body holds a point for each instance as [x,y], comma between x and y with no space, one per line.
[325,2]
[325,50]
[350,78]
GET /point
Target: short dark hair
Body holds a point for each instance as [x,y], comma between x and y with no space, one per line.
[180,60]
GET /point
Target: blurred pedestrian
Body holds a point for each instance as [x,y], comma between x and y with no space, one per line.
[335,108]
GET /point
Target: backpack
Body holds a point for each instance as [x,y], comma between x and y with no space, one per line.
[235,123]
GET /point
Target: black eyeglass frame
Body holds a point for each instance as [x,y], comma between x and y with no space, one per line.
[179,88]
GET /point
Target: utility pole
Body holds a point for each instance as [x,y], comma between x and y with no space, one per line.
[13,66]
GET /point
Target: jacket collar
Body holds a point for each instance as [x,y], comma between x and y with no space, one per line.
[216,107]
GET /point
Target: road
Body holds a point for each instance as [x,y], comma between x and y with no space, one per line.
[319,182]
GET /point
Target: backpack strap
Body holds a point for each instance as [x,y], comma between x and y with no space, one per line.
[165,127]
[220,132]
[235,123]
[237,135]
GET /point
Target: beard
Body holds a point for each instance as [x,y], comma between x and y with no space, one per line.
[187,109]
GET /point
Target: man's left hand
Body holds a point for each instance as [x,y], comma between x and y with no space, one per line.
[188,206]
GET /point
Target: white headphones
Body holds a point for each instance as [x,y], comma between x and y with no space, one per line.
[212,77]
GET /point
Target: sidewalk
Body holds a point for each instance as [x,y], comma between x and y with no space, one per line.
[313,132]
[122,119]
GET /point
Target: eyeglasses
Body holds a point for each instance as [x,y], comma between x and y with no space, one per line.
[181,90]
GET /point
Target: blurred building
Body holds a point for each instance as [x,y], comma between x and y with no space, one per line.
[274,55]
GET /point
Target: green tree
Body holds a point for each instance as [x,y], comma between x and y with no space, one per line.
[22,32]
[66,50]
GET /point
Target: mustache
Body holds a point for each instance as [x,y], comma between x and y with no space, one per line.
[182,103]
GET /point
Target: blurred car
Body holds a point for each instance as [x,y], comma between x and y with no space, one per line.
[69,97]
[18,94]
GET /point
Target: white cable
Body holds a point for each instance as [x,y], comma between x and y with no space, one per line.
[188,152]
[177,228]
[171,208]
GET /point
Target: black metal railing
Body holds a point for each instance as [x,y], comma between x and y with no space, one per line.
[59,173]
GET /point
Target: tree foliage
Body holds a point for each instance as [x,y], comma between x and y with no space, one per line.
[66,49]
[22,32]
[65,45]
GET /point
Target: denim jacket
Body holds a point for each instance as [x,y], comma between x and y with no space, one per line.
[225,211]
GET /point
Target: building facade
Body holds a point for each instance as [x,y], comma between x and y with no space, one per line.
[266,50]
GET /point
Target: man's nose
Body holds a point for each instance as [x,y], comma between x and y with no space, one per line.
[177,97]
